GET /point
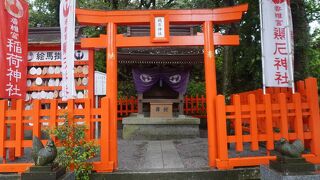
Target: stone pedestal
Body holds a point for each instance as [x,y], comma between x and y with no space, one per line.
[44,172]
[292,165]
[267,173]
[147,128]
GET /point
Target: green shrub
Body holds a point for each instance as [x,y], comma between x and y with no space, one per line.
[74,150]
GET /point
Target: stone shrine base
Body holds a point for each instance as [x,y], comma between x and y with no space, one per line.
[268,173]
[139,127]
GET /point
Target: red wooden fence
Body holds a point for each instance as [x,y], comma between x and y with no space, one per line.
[267,120]
[193,106]
[256,118]
[15,121]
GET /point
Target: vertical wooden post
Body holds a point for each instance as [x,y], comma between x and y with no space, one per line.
[238,123]
[3,127]
[186,101]
[36,118]
[71,110]
[268,123]
[313,100]
[53,115]
[112,89]
[127,109]
[105,127]
[87,117]
[211,90]
[140,111]
[222,131]
[298,122]
[283,115]
[12,136]
[181,104]
[19,128]
[253,123]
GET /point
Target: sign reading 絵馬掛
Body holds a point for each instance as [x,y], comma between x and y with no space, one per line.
[43,56]
[13,48]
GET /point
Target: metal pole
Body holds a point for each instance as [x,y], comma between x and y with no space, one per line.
[289,48]
[262,48]
[97,123]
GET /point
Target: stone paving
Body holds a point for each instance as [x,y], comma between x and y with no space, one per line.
[165,154]
[162,154]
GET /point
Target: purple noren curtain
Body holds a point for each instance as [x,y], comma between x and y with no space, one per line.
[144,79]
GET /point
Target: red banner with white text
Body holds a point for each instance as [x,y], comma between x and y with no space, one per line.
[13,48]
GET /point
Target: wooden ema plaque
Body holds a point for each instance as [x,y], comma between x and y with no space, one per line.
[161,109]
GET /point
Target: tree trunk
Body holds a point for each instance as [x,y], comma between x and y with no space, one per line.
[228,56]
[301,38]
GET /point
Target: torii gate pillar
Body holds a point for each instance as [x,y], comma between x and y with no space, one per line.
[211,89]
[112,89]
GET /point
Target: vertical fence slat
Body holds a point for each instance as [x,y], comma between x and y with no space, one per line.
[203,100]
[12,135]
[253,123]
[119,105]
[313,99]
[238,123]
[3,108]
[105,123]
[53,115]
[87,117]
[197,104]
[300,87]
[36,117]
[186,105]
[298,116]
[269,128]
[71,110]
[222,128]
[19,129]
[127,109]
[283,115]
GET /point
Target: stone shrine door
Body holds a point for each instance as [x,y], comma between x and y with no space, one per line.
[159,21]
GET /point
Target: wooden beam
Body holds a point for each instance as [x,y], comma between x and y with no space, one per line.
[122,41]
[194,16]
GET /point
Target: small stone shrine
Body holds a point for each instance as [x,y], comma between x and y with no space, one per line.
[160,90]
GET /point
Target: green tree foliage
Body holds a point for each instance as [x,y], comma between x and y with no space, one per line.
[314,63]
[43,13]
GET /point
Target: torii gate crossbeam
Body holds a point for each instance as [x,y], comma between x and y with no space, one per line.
[159,37]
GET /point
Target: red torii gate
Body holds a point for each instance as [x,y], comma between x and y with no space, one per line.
[111,41]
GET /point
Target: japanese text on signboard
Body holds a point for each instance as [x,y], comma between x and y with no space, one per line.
[276,43]
[14,16]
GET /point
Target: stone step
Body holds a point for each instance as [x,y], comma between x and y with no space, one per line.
[181,174]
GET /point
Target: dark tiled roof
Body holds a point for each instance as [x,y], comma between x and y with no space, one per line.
[153,55]
[49,35]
